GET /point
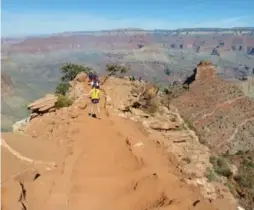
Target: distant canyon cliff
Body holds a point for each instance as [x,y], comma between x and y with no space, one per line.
[32,63]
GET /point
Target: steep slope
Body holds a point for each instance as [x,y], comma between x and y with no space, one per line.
[107,164]
[219,111]
[223,118]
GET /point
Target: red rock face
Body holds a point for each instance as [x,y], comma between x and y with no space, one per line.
[220,112]
[6,84]
[205,70]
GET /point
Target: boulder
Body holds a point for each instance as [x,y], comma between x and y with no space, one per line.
[81,77]
[74,113]
[19,126]
[77,90]
[82,105]
[126,78]
[43,104]
[233,169]
[124,108]
[138,112]
[159,125]
[150,92]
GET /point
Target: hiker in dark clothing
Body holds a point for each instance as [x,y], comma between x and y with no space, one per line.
[90,76]
[95,80]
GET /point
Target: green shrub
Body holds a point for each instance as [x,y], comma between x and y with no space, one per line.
[221,166]
[245,178]
[70,71]
[210,175]
[63,101]
[62,88]
[240,152]
[246,172]
[166,91]
[231,188]
[114,68]
[248,163]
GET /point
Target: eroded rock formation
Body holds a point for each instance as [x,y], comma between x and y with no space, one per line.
[219,111]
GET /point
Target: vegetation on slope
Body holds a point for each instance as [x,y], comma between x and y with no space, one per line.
[63,101]
[114,69]
[69,72]
[239,180]
[62,88]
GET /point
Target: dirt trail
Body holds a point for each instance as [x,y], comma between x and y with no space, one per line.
[113,166]
[117,167]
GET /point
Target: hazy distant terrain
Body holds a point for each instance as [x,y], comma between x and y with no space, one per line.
[33,63]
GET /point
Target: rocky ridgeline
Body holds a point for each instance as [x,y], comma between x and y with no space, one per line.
[141,102]
[166,126]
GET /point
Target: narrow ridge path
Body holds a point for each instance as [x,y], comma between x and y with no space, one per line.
[114,172]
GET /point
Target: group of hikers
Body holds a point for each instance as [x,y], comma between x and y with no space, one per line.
[93,79]
[94,94]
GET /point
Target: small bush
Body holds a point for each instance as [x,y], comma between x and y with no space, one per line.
[210,175]
[166,91]
[231,188]
[240,152]
[221,166]
[63,101]
[246,174]
[248,163]
[62,88]
[114,68]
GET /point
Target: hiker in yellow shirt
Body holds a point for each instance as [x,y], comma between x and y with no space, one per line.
[95,94]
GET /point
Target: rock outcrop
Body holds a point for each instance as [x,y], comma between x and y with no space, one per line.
[205,71]
[43,105]
[19,126]
[77,86]
[48,103]
[219,111]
